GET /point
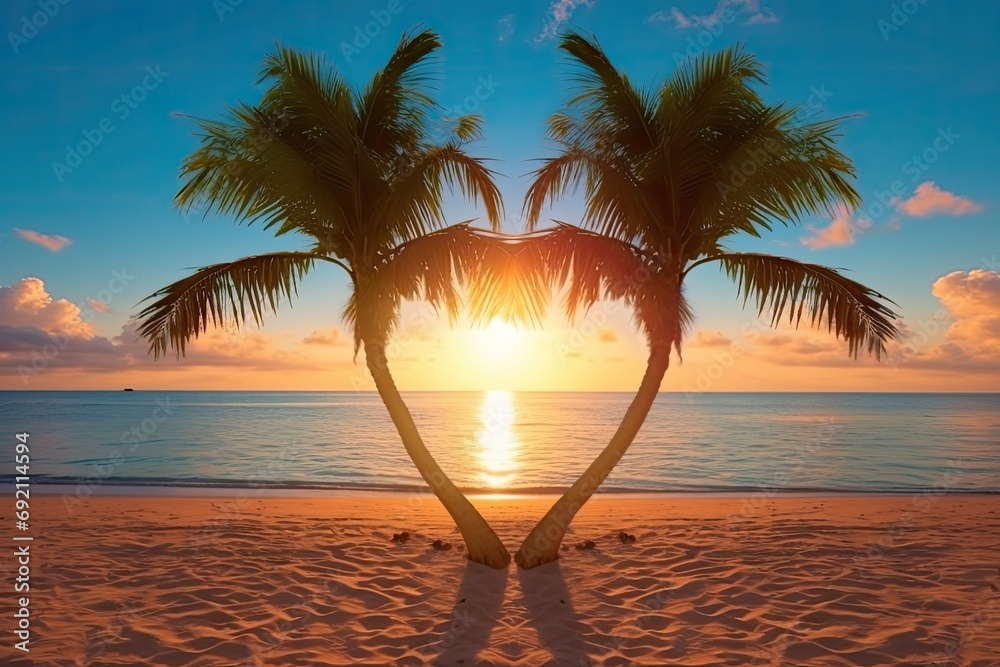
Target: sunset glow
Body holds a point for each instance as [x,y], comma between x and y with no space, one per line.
[76,263]
[548,332]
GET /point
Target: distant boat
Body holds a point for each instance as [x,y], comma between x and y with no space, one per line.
[128,389]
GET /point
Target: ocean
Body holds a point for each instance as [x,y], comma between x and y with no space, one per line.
[510,442]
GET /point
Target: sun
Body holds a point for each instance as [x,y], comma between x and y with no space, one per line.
[500,341]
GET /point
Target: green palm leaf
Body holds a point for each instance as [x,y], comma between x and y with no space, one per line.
[230,292]
[786,286]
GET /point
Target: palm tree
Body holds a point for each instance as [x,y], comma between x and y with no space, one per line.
[354,173]
[670,175]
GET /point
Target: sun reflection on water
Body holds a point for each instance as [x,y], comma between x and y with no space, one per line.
[498,444]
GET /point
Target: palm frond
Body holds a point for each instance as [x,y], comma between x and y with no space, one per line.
[777,174]
[703,158]
[518,280]
[787,287]
[608,104]
[615,202]
[255,170]
[394,106]
[413,204]
[508,281]
[355,170]
[306,88]
[434,268]
[235,291]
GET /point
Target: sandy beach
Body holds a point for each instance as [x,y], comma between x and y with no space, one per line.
[128,580]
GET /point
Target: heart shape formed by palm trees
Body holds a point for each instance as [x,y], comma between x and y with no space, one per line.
[666,182]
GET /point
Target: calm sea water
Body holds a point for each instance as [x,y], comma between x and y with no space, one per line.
[512,442]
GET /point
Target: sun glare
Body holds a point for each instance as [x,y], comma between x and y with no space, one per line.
[500,340]
[498,444]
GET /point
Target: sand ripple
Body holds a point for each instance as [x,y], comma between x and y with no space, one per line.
[319,582]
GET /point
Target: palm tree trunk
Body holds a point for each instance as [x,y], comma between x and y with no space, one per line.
[542,544]
[482,543]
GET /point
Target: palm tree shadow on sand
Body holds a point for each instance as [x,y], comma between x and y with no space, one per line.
[476,610]
[550,612]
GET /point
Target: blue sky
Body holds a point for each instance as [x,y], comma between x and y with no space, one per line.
[913,73]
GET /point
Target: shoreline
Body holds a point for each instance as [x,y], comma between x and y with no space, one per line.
[105,488]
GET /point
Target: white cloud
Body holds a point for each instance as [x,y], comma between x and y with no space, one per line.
[748,12]
[506,28]
[560,11]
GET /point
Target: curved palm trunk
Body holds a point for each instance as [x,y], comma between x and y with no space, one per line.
[482,543]
[542,544]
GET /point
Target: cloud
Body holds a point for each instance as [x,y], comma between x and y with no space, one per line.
[801,347]
[607,335]
[98,306]
[929,199]
[748,12]
[762,17]
[972,300]
[705,338]
[327,337]
[505,27]
[39,333]
[27,351]
[962,337]
[52,242]
[561,11]
[840,232]
[26,303]
[245,348]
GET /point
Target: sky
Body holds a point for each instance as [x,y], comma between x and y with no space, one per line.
[97,124]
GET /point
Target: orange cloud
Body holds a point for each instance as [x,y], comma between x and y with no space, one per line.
[52,242]
[607,335]
[27,304]
[328,337]
[802,347]
[98,306]
[929,199]
[840,232]
[245,348]
[963,337]
[705,338]
[42,337]
[973,302]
